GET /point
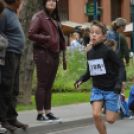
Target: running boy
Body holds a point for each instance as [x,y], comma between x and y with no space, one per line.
[100,67]
[112,44]
[131,97]
[124,105]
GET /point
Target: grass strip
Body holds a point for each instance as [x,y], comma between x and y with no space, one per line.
[60,99]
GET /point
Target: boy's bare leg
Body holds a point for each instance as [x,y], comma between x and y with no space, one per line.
[111,116]
[99,123]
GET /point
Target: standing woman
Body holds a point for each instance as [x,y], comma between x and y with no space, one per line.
[117,26]
[48,40]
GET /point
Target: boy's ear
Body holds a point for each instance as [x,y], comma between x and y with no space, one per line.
[104,36]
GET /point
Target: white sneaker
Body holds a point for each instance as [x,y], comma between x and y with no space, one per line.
[130,117]
[2,130]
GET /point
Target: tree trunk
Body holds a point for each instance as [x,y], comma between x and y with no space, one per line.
[27,65]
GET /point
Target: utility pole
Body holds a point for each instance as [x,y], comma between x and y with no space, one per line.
[132,13]
[95,10]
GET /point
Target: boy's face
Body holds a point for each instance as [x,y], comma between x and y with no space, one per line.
[77,37]
[96,35]
[114,48]
[1,14]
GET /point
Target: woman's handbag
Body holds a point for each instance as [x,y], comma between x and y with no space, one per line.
[3,41]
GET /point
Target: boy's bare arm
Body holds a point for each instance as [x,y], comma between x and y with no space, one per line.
[78,84]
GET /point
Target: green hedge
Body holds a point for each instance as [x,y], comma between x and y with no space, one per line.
[76,67]
[65,79]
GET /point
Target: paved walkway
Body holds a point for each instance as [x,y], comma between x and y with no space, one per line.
[73,116]
[67,113]
[119,127]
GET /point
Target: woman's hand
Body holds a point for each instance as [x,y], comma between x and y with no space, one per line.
[78,84]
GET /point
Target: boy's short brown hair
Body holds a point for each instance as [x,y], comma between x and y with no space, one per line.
[110,42]
[102,26]
[2,6]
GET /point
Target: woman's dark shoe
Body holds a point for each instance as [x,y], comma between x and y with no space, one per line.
[43,118]
[54,118]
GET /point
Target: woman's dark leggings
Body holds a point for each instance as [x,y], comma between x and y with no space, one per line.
[131,107]
[46,73]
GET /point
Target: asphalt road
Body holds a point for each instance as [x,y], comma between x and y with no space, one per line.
[119,127]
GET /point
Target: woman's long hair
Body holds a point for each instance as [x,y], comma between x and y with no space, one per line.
[55,13]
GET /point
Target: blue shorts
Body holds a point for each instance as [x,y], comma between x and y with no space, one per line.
[112,100]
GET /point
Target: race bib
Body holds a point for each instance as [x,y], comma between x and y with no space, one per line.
[96,67]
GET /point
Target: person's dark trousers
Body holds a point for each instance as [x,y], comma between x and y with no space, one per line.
[131,107]
[46,73]
[0,74]
[9,87]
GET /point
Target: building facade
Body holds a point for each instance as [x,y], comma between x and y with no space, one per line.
[110,10]
[74,11]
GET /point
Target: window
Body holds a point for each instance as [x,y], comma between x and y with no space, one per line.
[63,13]
[63,10]
[115,9]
